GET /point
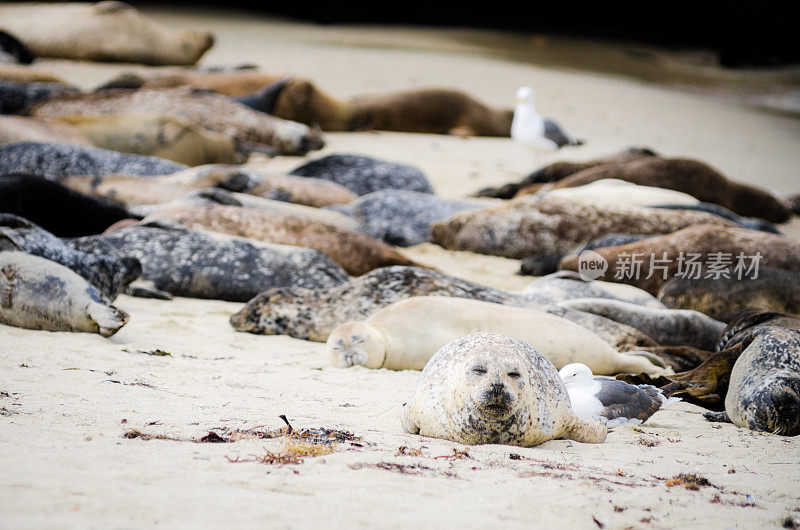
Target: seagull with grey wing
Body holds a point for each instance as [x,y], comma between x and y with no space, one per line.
[612,401]
[535,132]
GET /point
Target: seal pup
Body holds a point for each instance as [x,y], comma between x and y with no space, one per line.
[105,31]
[363,174]
[668,327]
[36,293]
[611,401]
[56,208]
[568,285]
[720,298]
[546,226]
[699,241]
[402,217]
[110,274]
[13,51]
[56,161]
[686,175]
[207,265]
[21,129]
[404,336]
[488,388]
[202,108]
[16,96]
[356,253]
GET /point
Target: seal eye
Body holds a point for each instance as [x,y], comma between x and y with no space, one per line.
[480,370]
[513,375]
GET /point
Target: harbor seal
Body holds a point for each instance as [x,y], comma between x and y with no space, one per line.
[21,129]
[201,108]
[110,274]
[56,208]
[402,217]
[206,265]
[356,253]
[488,388]
[612,191]
[363,174]
[700,242]
[404,336]
[546,226]
[105,31]
[542,265]
[36,293]
[668,327]
[568,285]
[16,96]
[56,161]
[720,298]
[688,176]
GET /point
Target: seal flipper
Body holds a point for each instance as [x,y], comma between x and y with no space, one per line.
[719,417]
[146,289]
[266,98]
[591,431]
[108,318]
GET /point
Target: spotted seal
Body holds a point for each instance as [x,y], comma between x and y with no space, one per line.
[488,388]
[404,336]
[205,265]
[36,293]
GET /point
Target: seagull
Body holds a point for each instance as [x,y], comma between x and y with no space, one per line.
[612,401]
[530,129]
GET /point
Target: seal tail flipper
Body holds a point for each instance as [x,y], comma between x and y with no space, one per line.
[108,318]
[587,431]
[720,417]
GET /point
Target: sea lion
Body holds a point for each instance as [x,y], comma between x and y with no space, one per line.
[56,161]
[356,253]
[668,327]
[690,176]
[560,170]
[202,108]
[105,31]
[404,336]
[22,129]
[695,244]
[57,209]
[158,135]
[546,226]
[773,290]
[313,314]
[111,275]
[402,217]
[25,74]
[614,191]
[363,174]
[206,265]
[16,96]
[13,51]
[568,285]
[488,388]
[36,293]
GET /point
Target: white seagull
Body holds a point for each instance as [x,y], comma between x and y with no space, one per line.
[530,129]
[610,400]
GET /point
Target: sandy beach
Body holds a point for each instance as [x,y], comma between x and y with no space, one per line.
[104,433]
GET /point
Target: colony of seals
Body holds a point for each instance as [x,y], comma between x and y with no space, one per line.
[488,388]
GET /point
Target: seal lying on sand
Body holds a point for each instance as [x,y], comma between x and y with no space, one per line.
[560,170]
[404,336]
[36,293]
[402,217]
[567,285]
[614,191]
[56,161]
[16,96]
[363,174]
[105,31]
[546,226]
[720,298]
[201,108]
[668,327]
[688,176]
[57,209]
[541,265]
[111,275]
[356,253]
[699,241]
[21,129]
[488,388]
[204,265]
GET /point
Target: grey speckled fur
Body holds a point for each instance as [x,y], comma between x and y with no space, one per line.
[15,96]
[109,273]
[402,217]
[205,265]
[55,161]
[489,388]
[362,174]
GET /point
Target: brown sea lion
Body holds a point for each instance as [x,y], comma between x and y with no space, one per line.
[545,226]
[695,244]
[202,108]
[689,176]
[23,129]
[356,253]
[105,31]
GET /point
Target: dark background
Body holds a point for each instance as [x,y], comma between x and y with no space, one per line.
[743,33]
